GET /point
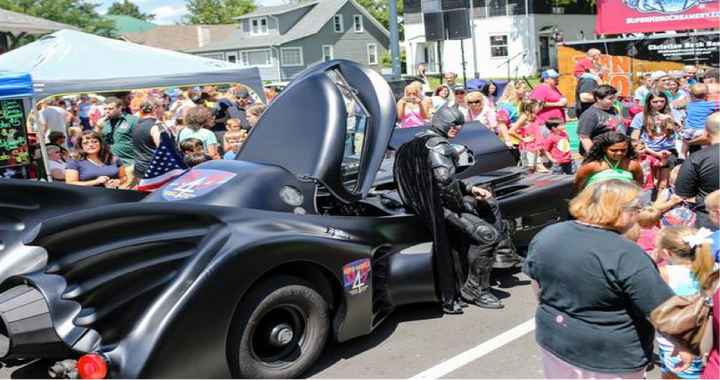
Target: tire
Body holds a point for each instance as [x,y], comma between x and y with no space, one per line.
[260,346]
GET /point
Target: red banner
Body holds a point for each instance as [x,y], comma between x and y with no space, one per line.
[633,16]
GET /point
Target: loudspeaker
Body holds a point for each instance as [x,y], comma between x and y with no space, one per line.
[457,23]
[434,26]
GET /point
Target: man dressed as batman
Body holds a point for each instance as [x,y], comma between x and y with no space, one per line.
[425,171]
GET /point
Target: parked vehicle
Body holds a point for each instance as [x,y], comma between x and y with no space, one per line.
[240,268]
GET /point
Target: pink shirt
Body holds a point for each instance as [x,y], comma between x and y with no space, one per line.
[411,118]
[531,129]
[647,238]
[486,116]
[545,93]
[559,147]
[648,164]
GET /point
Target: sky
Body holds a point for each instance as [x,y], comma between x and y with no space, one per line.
[167,12]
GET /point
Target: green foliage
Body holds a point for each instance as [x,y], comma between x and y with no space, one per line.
[380,10]
[127,8]
[217,11]
[386,59]
[72,12]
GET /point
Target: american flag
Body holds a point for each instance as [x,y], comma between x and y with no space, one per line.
[166,164]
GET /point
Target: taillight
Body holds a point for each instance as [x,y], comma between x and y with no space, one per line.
[92,366]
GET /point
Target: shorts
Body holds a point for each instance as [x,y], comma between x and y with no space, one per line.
[691,134]
[667,363]
[529,159]
[566,168]
[556,368]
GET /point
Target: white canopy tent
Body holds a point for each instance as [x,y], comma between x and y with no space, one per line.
[69,61]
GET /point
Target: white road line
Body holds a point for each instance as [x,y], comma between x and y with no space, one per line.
[476,352]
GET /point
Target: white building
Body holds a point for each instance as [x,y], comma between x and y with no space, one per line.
[520,29]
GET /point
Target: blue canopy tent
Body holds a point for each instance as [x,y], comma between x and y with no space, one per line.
[71,62]
[16,92]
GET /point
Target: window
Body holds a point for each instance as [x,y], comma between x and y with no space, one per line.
[218,56]
[430,5]
[338,24]
[499,46]
[231,57]
[259,26]
[358,23]
[372,55]
[327,53]
[497,7]
[256,58]
[291,56]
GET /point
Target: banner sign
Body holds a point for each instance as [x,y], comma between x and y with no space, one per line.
[627,59]
[634,16]
[13,140]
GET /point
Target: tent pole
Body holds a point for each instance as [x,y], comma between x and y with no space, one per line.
[41,139]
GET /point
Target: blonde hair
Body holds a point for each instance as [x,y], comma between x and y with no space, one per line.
[699,91]
[510,93]
[235,122]
[235,135]
[74,131]
[674,173]
[602,203]
[703,263]
[475,96]
[648,217]
[634,233]
[256,109]
[411,87]
[712,200]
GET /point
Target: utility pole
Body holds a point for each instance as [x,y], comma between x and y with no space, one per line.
[476,74]
[394,40]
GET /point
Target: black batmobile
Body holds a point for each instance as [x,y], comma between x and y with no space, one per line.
[246,267]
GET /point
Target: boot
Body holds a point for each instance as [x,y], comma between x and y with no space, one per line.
[506,255]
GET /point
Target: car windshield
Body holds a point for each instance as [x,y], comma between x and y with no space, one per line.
[357,120]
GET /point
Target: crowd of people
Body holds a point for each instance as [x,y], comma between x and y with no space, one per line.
[645,228]
[110,141]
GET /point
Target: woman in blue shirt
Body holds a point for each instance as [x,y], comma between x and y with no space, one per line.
[94,165]
[656,127]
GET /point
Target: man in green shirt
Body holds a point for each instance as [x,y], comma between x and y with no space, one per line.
[116,127]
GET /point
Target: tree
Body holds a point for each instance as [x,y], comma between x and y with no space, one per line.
[217,11]
[380,10]
[129,9]
[72,12]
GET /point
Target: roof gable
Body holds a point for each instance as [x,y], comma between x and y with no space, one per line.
[274,10]
[308,25]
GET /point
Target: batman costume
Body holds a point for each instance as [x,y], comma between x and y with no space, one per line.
[425,171]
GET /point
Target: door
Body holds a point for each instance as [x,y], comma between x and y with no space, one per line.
[545,51]
[428,56]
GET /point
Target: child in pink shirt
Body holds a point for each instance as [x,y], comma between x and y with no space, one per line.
[649,222]
[529,132]
[650,166]
[557,147]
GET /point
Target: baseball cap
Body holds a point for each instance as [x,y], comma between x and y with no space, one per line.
[712,73]
[549,74]
[658,74]
[242,93]
[459,88]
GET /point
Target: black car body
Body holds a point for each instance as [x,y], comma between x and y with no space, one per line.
[242,267]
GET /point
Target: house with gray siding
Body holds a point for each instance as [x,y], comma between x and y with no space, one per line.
[284,40]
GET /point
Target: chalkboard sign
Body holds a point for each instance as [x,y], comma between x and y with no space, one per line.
[13,140]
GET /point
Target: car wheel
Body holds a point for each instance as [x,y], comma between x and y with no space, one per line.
[280,329]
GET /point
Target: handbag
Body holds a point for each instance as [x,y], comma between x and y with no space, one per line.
[687,321]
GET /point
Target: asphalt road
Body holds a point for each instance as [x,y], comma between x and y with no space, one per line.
[418,338]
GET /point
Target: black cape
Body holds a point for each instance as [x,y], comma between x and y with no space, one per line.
[421,196]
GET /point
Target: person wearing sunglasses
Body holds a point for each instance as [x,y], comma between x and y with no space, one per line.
[478,110]
[95,164]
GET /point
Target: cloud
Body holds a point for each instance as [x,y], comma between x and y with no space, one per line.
[168,15]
